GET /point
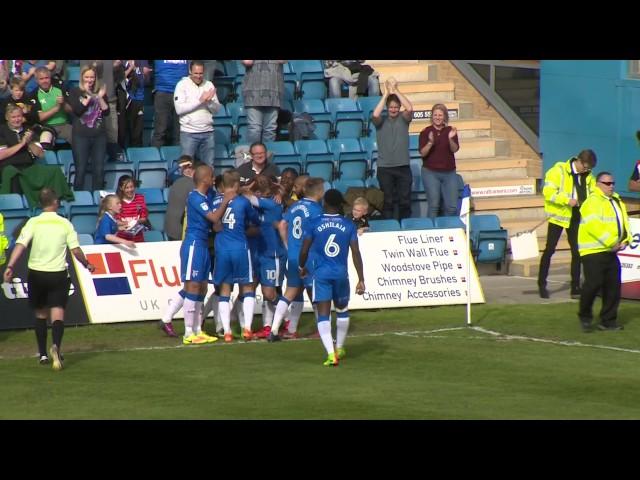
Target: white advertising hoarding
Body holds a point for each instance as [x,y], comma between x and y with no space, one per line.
[402,269]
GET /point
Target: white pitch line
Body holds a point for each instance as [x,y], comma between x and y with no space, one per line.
[412,334]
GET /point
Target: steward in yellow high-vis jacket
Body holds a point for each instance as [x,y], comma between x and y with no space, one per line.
[566,186]
[604,230]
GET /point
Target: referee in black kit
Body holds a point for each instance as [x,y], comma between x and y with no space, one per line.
[50,235]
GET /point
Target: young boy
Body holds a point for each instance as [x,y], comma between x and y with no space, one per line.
[360,214]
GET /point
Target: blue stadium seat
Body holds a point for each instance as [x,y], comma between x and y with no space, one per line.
[315,107]
[313,88]
[367,105]
[488,239]
[10,225]
[73,73]
[346,116]
[344,185]
[152,177]
[13,206]
[85,222]
[157,220]
[372,182]
[236,110]
[65,157]
[281,148]
[353,169]
[154,236]
[413,141]
[170,154]
[113,172]
[223,130]
[449,222]
[328,186]
[154,199]
[85,239]
[345,149]
[388,225]
[320,168]
[51,157]
[83,203]
[307,69]
[416,223]
[139,155]
[306,147]
[241,133]
[369,146]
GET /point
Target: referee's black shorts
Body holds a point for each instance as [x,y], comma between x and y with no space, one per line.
[48,289]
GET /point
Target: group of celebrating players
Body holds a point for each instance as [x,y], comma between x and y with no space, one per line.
[262,232]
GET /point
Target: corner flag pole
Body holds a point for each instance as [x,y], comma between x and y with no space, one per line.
[469,259]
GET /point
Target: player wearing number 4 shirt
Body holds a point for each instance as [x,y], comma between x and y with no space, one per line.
[328,238]
[233,258]
[291,228]
[195,261]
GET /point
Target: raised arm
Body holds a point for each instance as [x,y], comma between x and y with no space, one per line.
[357,263]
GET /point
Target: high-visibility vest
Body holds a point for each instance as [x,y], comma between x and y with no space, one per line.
[4,242]
[558,190]
[598,231]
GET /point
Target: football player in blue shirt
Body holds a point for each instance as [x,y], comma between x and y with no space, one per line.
[329,238]
[195,261]
[271,254]
[291,228]
[233,258]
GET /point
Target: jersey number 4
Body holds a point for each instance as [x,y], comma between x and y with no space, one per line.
[229,218]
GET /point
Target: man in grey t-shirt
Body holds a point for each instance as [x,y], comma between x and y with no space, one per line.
[174,217]
[392,132]
[262,91]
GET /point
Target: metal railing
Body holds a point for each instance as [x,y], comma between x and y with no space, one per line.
[486,77]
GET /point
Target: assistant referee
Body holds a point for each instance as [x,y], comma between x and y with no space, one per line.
[48,277]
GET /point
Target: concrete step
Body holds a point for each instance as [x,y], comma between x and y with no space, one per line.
[499,167]
[407,72]
[511,207]
[501,187]
[467,128]
[391,62]
[560,264]
[457,109]
[482,148]
[417,92]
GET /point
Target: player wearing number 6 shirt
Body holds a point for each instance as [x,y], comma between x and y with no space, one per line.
[233,258]
[328,238]
[291,228]
[195,261]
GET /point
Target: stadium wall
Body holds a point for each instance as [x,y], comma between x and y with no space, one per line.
[590,104]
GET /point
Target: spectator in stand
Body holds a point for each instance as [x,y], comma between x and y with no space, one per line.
[50,236]
[360,214]
[18,97]
[262,90]
[392,133]
[4,84]
[48,104]
[89,108]
[108,226]
[130,93]
[196,102]
[178,193]
[257,165]
[105,76]
[18,151]
[437,144]
[133,213]
[361,78]
[29,68]
[167,75]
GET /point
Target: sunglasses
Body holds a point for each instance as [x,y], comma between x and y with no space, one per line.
[608,184]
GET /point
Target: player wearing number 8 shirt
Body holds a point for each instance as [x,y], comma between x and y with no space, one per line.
[291,228]
[233,258]
[328,238]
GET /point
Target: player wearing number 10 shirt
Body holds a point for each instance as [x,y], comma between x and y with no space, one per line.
[233,258]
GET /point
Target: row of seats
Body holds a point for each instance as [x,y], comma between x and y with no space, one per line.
[149,236]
